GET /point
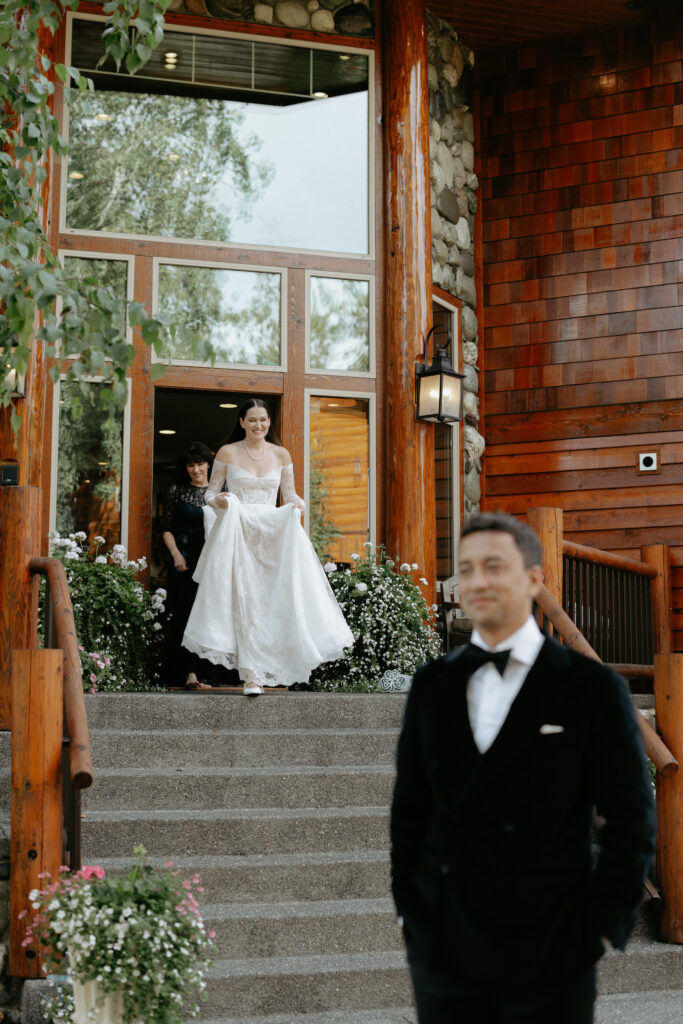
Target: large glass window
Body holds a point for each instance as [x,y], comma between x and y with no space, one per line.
[339,324]
[238,311]
[446,458]
[234,141]
[107,272]
[89,464]
[339,476]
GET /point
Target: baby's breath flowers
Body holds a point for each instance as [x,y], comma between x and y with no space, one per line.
[391,622]
[117,620]
[140,933]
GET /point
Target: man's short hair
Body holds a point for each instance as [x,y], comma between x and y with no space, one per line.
[497,522]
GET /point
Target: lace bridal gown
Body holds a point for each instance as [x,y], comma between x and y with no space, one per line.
[264,605]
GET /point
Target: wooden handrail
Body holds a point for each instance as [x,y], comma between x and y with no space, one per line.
[75,716]
[597,557]
[660,755]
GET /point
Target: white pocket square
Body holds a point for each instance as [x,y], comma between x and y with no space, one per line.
[547,730]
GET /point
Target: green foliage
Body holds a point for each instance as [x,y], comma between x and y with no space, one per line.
[339,324]
[140,934]
[390,620]
[117,620]
[40,303]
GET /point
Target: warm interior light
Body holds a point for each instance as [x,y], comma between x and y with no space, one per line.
[76,175]
[319,95]
[167,431]
[344,56]
[174,156]
[228,405]
[103,117]
[333,405]
[170,55]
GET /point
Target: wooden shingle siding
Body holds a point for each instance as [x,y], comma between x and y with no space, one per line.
[582,209]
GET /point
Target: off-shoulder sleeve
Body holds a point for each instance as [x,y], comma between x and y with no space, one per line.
[216,483]
[287,487]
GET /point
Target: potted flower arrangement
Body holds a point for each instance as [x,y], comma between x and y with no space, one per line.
[134,945]
[118,622]
[391,622]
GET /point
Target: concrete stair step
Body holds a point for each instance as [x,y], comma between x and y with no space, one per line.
[274,877]
[226,748]
[248,930]
[235,832]
[178,787]
[398,1015]
[645,965]
[309,985]
[182,711]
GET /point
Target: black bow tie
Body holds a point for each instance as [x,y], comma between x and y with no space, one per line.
[474,657]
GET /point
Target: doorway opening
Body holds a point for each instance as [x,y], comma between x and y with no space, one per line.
[181,416]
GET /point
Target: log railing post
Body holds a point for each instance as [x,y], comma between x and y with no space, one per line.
[669,712]
[657,555]
[548,524]
[36,801]
[19,542]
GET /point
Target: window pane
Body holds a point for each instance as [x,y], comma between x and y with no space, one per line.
[340,324]
[89,465]
[238,311]
[339,491]
[110,273]
[240,152]
[443,443]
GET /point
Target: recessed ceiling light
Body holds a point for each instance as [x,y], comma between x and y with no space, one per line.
[103,117]
[344,56]
[174,156]
[228,405]
[102,463]
[76,175]
[167,431]
[333,405]
[319,95]
[170,55]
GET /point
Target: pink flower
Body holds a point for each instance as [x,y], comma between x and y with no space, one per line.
[212,935]
[187,884]
[93,677]
[81,648]
[100,664]
[168,864]
[92,872]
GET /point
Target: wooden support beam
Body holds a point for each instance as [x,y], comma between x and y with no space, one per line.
[669,711]
[36,802]
[410,487]
[657,556]
[548,524]
[19,542]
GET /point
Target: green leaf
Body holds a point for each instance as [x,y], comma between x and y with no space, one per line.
[157,371]
[61,72]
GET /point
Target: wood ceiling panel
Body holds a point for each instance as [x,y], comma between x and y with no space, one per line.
[491,24]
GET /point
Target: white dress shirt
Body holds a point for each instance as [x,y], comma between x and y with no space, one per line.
[490,695]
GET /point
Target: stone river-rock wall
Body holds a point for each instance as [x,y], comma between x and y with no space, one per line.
[454,203]
[333,16]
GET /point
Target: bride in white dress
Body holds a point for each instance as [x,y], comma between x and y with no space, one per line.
[264,605]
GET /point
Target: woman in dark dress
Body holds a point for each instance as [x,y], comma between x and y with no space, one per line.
[183,524]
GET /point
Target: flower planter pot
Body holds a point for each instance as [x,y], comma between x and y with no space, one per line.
[85,998]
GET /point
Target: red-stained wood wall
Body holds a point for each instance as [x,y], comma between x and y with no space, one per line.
[582,208]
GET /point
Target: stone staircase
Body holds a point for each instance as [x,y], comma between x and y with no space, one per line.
[280,803]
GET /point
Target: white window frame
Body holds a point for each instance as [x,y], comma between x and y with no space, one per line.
[455,315]
[306,44]
[343,276]
[89,254]
[244,268]
[125,465]
[371,399]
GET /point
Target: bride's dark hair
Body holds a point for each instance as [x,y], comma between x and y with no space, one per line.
[239,433]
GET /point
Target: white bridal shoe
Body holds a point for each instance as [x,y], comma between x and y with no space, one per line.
[252,690]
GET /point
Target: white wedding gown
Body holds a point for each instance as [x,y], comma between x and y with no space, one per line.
[264,604]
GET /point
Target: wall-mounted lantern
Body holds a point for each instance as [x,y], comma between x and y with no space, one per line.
[438,388]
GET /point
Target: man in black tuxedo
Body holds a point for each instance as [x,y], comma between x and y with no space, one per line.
[500,763]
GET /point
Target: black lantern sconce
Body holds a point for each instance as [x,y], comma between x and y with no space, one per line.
[438,388]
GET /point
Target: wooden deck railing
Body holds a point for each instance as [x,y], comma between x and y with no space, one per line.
[624,607]
[41,699]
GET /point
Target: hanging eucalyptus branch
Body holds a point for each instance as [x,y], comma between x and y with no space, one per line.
[40,303]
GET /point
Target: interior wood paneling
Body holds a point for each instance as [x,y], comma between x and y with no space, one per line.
[582,206]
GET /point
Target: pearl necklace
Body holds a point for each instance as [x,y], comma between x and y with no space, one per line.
[255,458]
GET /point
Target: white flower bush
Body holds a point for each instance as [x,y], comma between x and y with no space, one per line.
[117,621]
[392,624]
[140,933]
